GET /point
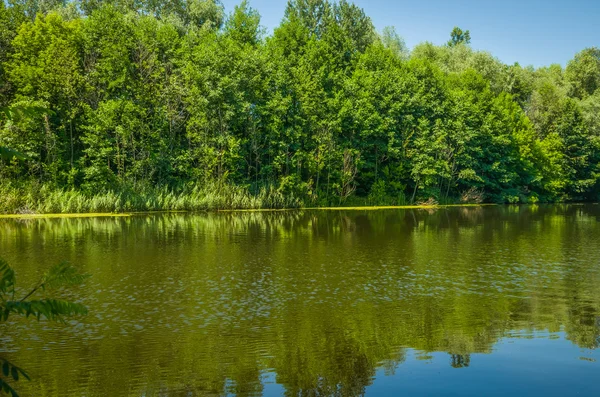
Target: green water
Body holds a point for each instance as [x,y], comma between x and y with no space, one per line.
[459,301]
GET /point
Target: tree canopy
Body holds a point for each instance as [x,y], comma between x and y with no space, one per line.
[175,94]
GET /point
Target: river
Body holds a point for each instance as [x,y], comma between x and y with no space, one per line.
[454,301]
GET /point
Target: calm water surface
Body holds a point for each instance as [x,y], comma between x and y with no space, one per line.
[459,301]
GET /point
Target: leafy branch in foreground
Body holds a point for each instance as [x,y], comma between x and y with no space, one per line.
[61,275]
[12,371]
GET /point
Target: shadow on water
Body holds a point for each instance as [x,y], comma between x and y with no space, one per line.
[316,302]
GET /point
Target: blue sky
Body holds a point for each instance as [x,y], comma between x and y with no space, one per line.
[531,32]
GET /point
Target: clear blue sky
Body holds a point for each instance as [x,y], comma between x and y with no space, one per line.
[531,32]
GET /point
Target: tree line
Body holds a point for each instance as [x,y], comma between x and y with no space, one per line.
[139,95]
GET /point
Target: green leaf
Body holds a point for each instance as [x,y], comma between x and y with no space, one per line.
[8,154]
[63,274]
[51,309]
[6,388]
[6,368]
[18,112]
[7,278]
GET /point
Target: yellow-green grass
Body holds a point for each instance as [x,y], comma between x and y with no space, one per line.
[38,216]
[127,214]
[359,208]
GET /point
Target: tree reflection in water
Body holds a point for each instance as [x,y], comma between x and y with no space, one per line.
[319,300]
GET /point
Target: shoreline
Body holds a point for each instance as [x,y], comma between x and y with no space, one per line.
[142,213]
[366,208]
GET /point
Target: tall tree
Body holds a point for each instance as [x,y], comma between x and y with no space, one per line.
[392,40]
[458,36]
[583,73]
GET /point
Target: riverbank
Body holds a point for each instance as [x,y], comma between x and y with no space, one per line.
[366,208]
[137,213]
[34,199]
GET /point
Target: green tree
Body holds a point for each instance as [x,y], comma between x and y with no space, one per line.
[170,96]
[394,42]
[458,36]
[583,73]
[45,69]
[244,24]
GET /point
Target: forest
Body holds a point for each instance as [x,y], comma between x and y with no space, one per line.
[138,105]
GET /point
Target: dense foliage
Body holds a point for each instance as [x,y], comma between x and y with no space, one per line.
[154,99]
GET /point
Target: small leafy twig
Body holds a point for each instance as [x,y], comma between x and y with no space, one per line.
[10,370]
[60,275]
